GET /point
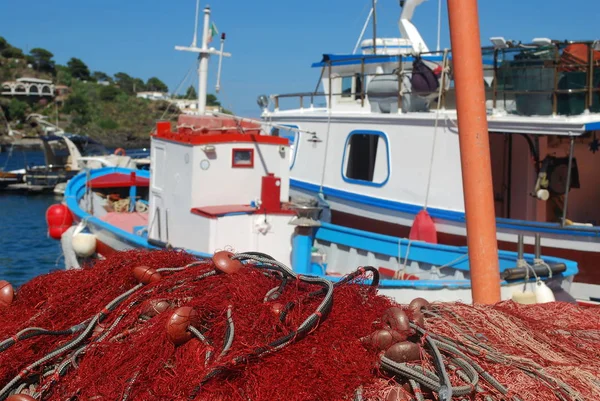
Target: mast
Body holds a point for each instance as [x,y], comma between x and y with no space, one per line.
[204,54]
[474,151]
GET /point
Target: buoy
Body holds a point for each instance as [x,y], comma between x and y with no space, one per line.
[403,352]
[383,339]
[146,274]
[423,228]
[276,309]
[179,322]
[525,297]
[543,293]
[20,397]
[120,152]
[7,293]
[418,319]
[224,263]
[84,244]
[59,219]
[418,304]
[155,307]
[396,319]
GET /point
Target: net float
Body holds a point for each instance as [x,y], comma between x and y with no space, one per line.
[20,397]
[179,322]
[155,307]
[403,352]
[224,262]
[418,319]
[396,394]
[146,274]
[418,304]
[276,309]
[7,293]
[396,319]
[383,339]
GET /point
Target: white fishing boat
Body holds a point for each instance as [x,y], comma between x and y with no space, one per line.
[222,183]
[378,142]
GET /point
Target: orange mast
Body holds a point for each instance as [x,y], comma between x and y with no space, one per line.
[474,151]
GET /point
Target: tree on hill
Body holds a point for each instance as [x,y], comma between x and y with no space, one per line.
[109,93]
[99,76]
[42,60]
[12,52]
[138,85]
[156,85]
[211,100]
[79,69]
[3,43]
[125,82]
[17,110]
[191,93]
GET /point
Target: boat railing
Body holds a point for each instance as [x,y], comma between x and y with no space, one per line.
[540,79]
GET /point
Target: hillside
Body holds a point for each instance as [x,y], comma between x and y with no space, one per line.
[91,103]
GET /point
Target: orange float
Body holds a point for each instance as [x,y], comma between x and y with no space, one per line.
[59,219]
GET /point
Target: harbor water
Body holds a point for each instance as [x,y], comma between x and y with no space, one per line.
[27,251]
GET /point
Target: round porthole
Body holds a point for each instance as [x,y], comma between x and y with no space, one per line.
[204,164]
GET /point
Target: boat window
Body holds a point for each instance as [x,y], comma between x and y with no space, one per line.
[347,86]
[366,158]
[242,158]
[292,137]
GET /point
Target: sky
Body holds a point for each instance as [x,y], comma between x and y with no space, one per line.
[273,43]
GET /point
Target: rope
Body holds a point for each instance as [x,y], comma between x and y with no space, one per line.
[435,129]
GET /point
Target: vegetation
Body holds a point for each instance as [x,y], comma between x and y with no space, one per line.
[99,105]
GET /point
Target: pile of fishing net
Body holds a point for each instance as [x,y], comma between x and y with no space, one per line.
[164,325]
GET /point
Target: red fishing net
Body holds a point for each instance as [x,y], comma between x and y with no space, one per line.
[261,333]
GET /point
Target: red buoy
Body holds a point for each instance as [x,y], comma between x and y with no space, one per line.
[418,304]
[20,397]
[59,219]
[7,293]
[423,228]
[179,322]
[146,274]
[155,307]
[396,319]
[224,263]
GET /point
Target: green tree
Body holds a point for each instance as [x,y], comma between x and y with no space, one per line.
[125,82]
[12,52]
[42,60]
[3,43]
[78,69]
[99,76]
[138,85]
[77,104]
[17,110]
[63,75]
[109,93]
[211,100]
[190,93]
[156,85]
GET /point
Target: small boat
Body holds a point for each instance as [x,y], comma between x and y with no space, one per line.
[67,154]
[378,141]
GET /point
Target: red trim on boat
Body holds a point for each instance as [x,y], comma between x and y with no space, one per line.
[119,180]
[207,130]
[103,249]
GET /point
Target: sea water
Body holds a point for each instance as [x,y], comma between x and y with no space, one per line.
[26,251]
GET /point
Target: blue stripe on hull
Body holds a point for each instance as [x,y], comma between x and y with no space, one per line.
[448,215]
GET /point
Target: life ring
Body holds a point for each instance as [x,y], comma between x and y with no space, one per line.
[120,152]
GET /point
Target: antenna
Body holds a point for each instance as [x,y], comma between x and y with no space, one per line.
[439,32]
[196,24]
[362,33]
[218,86]
[204,54]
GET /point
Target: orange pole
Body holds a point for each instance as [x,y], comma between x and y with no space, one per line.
[474,151]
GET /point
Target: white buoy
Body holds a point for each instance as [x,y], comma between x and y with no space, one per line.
[525,297]
[543,293]
[84,244]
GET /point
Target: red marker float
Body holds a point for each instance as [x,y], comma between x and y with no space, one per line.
[179,322]
[224,262]
[7,293]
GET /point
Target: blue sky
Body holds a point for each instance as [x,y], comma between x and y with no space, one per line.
[273,42]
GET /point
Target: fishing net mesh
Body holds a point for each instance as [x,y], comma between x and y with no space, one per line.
[520,352]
